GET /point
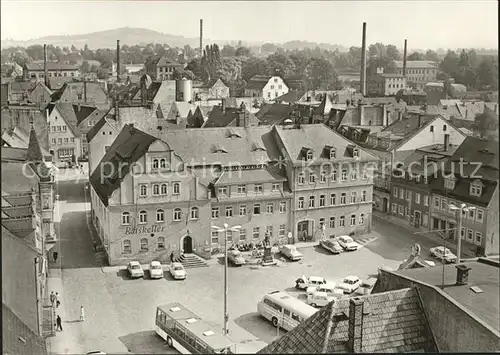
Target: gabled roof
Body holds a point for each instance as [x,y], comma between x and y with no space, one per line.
[325,106]
[17,138]
[82,112]
[257,82]
[34,153]
[211,83]
[68,114]
[219,118]
[392,321]
[291,96]
[110,119]
[162,61]
[270,114]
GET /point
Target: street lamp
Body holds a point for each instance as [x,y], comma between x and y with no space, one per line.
[225,230]
[463,207]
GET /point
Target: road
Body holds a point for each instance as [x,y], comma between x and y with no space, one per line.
[120,312]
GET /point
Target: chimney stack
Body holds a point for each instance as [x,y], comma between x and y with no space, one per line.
[243,114]
[355,328]
[404,59]
[45,70]
[223,106]
[363,62]
[446,141]
[419,120]
[117,60]
[462,274]
[201,37]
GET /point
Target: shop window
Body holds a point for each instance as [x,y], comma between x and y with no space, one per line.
[144,244]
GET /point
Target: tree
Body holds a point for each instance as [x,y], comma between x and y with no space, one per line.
[377,50]
[243,52]
[85,67]
[102,74]
[73,48]
[254,66]
[268,48]
[416,56]
[228,51]
[449,65]
[321,74]
[487,73]
[392,52]
[431,55]
[486,123]
[281,64]
[177,75]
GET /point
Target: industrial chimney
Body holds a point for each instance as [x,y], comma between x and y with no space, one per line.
[201,37]
[404,60]
[45,71]
[117,60]
[363,62]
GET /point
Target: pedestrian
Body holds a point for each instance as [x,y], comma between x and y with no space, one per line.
[82,314]
[59,323]
[55,255]
[58,300]
[172,257]
[52,298]
[95,245]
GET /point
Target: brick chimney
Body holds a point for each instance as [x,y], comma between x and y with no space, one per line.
[404,60]
[363,62]
[462,274]
[355,329]
[242,117]
[446,141]
[223,106]
[118,60]
[45,70]
[419,120]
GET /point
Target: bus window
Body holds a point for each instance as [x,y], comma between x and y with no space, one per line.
[277,307]
[296,317]
[268,302]
[286,312]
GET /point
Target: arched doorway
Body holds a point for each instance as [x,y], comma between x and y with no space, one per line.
[305,230]
[187,245]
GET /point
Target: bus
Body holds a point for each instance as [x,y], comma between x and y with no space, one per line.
[283,310]
[188,333]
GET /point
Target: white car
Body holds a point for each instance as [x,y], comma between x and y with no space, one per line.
[304,282]
[291,252]
[319,299]
[330,288]
[236,258]
[155,270]
[135,269]
[444,254]
[332,245]
[347,243]
[177,271]
[350,284]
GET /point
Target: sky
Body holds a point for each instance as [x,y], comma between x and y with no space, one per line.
[426,24]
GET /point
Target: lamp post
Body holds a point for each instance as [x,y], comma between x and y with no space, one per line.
[225,230]
[459,210]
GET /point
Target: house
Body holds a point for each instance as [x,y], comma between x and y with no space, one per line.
[100,137]
[418,72]
[86,118]
[11,70]
[56,83]
[24,116]
[435,91]
[214,89]
[222,116]
[160,67]
[266,87]
[291,97]
[460,302]
[157,92]
[54,69]
[470,177]
[64,134]
[277,113]
[197,118]
[385,84]
[83,93]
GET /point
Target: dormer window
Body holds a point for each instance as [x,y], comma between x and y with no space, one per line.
[449,182]
[333,153]
[355,152]
[309,155]
[476,188]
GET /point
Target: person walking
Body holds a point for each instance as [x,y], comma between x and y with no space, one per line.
[58,300]
[59,323]
[52,298]
[82,314]
[94,242]
[172,257]
[55,255]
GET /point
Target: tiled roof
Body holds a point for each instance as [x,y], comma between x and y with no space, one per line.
[249,176]
[67,112]
[18,338]
[51,66]
[18,181]
[163,61]
[407,126]
[416,64]
[274,113]
[218,118]
[257,82]
[379,100]
[130,145]
[97,127]
[22,86]
[291,96]
[82,112]
[34,153]
[392,321]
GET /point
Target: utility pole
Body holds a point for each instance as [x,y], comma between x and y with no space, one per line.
[459,234]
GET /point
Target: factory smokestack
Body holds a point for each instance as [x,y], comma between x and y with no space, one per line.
[363,62]
[404,60]
[117,60]
[201,37]
[45,70]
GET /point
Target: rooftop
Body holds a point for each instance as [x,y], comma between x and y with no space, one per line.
[416,64]
[51,66]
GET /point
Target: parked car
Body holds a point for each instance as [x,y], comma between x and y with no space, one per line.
[350,284]
[304,282]
[348,243]
[96,352]
[155,270]
[135,269]
[331,245]
[319,299]
[177,271]
[291,252]
[235,257]
[330,288]
[444,254]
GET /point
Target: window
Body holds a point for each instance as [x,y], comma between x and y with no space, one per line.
[431,128]
[282,206]
[177,188]
[125,218]
[426,200]
[195,212]
[53,128]
[444,204]
[177,214]
[333,153]
[144,244]
[229,211]
[58,128]
[322,201]
[353,196]
[269,230]
[401,194]
[332,222]
[160,216]
[407,211]
[436,202]
[395,192]
[449,183]
[469,235]
[417,197]
[229,236]
[312,178]
[242,189]
[401,210]
[332,199]
[321,222]
[322,177]
[363,196]
[479,237]
[257,188]
[155,163]
[243,234]
[472,214]
[362,219]
[311,201]
[475,188]
[243,210]
[334,175]
[54,141]
[353,220]
[309,155]
[143,190]
[143,217]
[127,247]
[163,163]
[215,237]
[66,140]
[342,221]
[479,216]
[355,153]
[301,179]
[444,128]
[59,140]
[282,230]
[354,174]
[256,208]
[223,190]
[215,212]
[300,203]
[256,233]
[275,187]
[394,208]
[156,189]
[408,195]
[270,207]
[344,175]
[364,174]
[343,198]
[163,189]
[160,242]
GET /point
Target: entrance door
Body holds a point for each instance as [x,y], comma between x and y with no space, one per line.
[385,205]
[187,245]
[302,229]
[417,219]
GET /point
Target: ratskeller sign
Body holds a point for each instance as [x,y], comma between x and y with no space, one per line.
[144,229]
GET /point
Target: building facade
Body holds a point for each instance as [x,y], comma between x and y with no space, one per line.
[36,70]
[161,67]
[418,72]
[266,87]
[84,93]
[64,137]
[386,84]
